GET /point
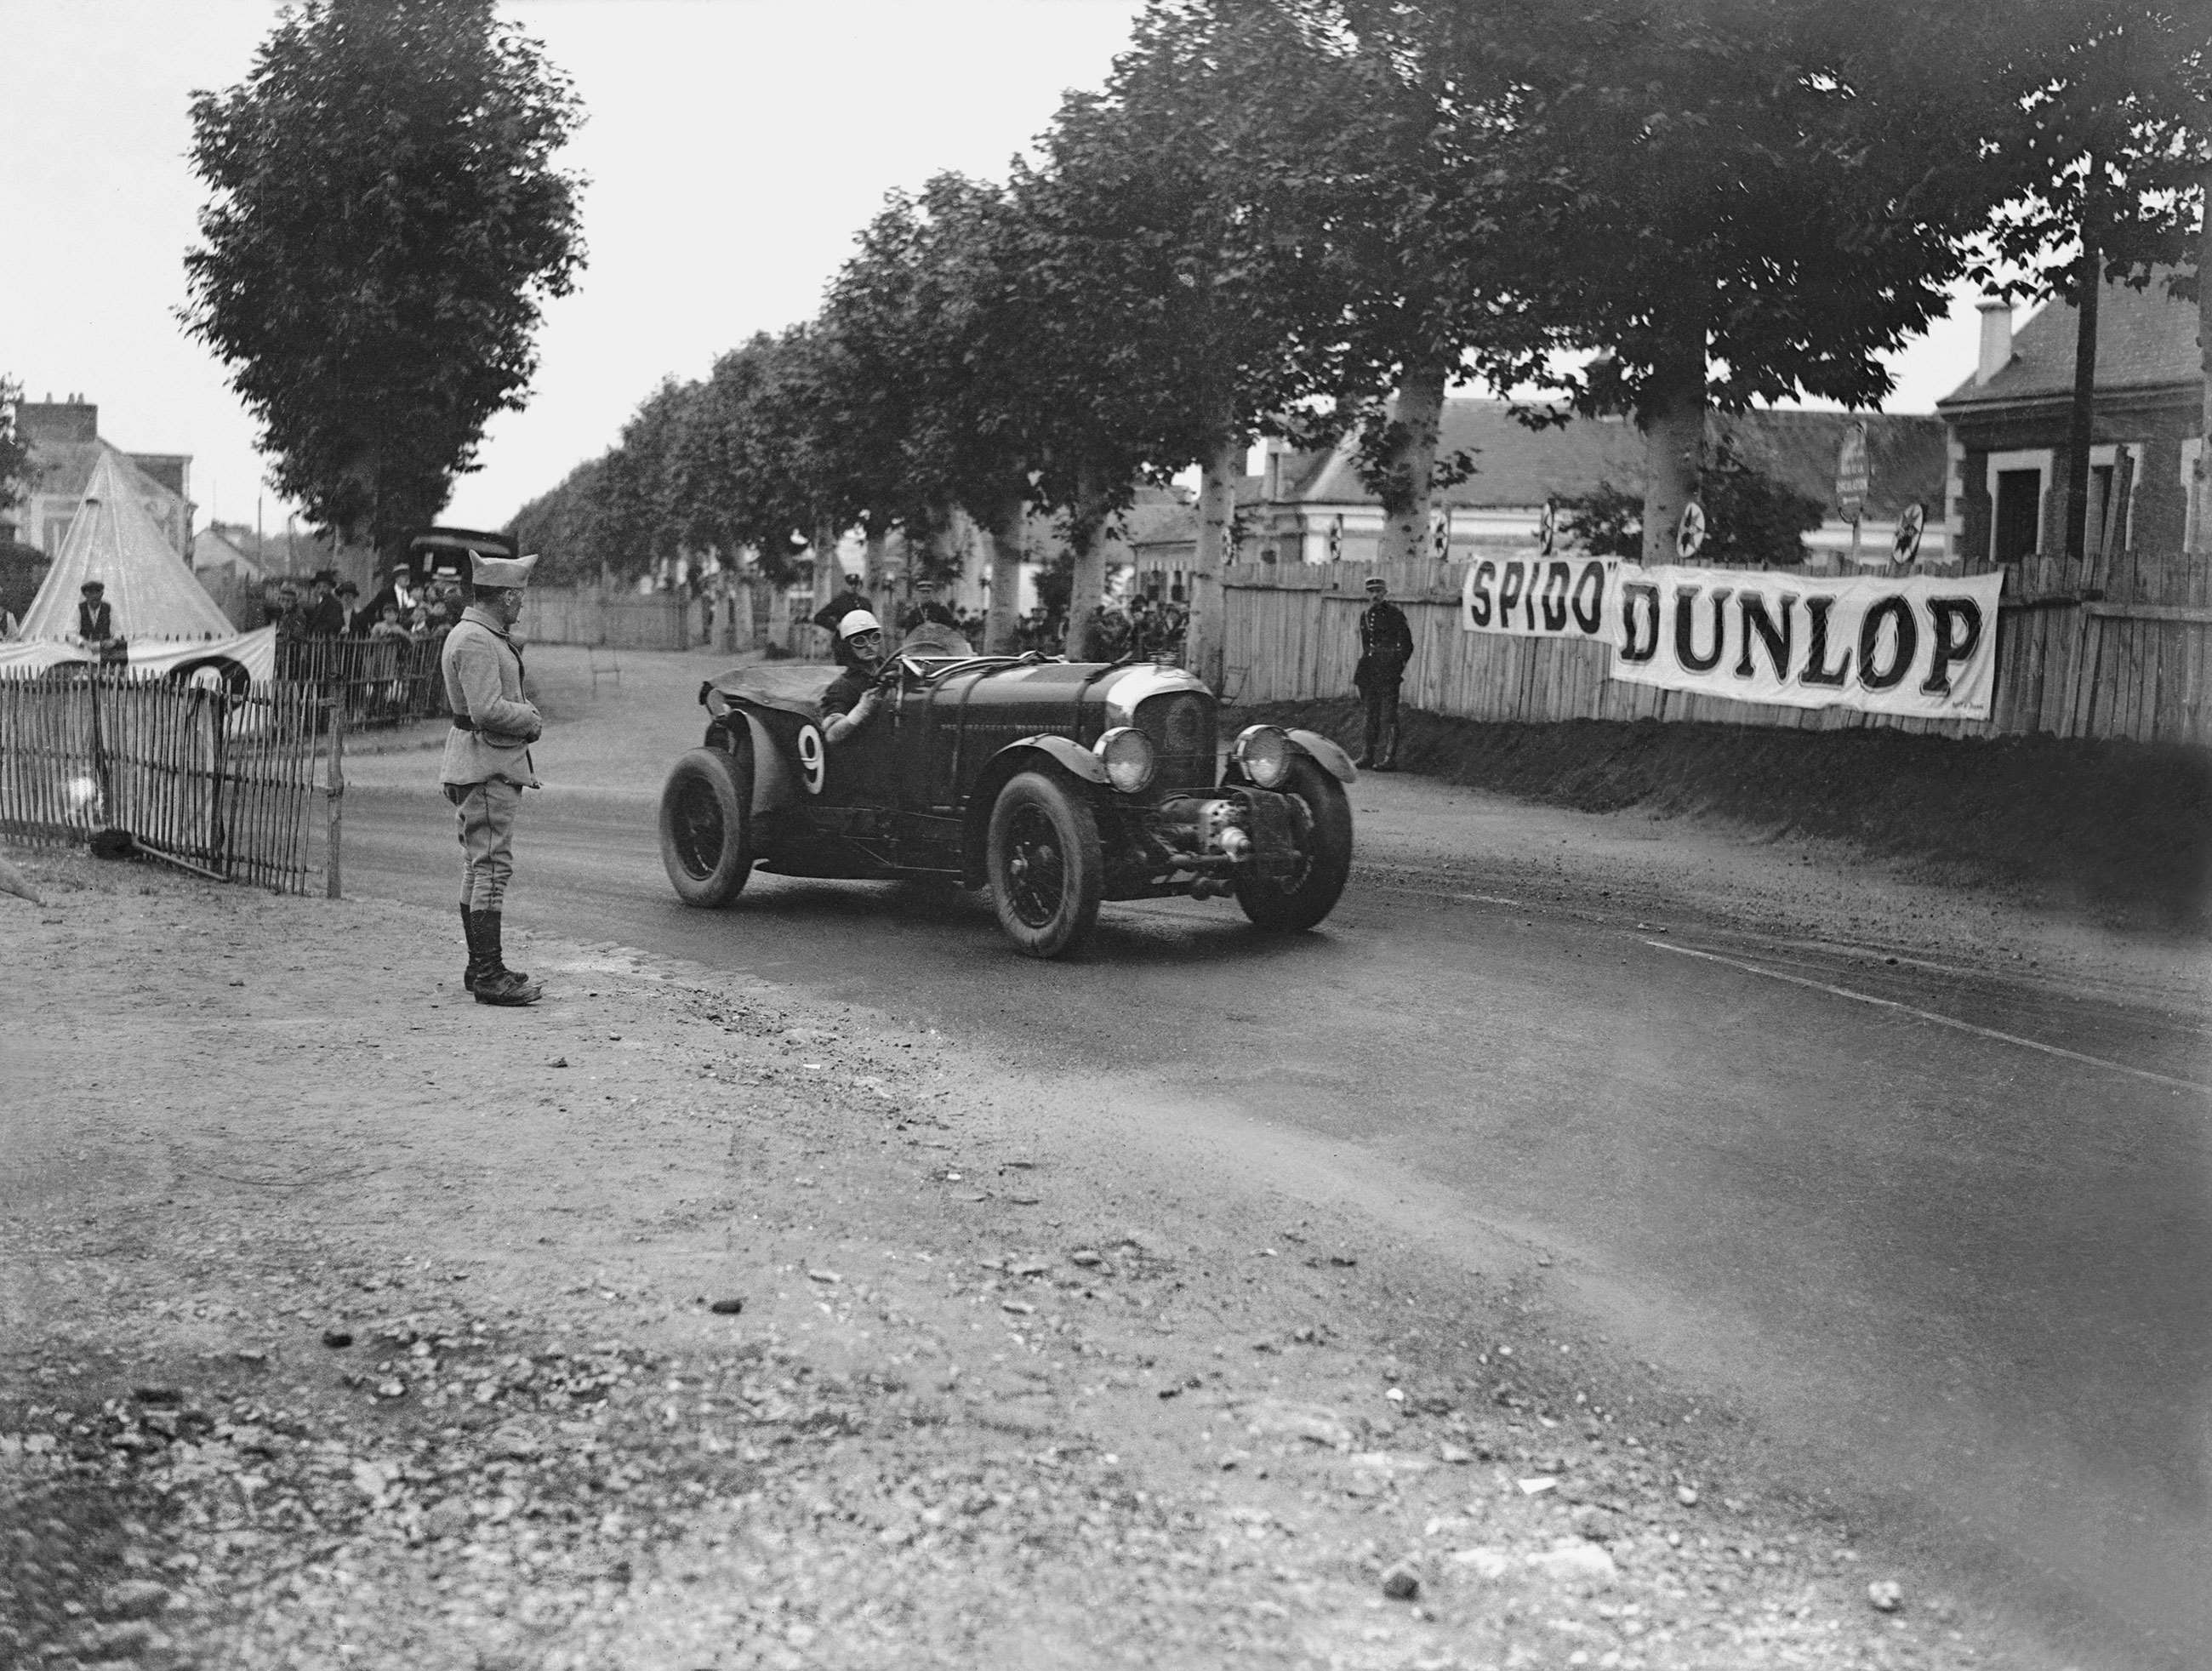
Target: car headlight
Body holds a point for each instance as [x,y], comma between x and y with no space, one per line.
[1129,758]
[1265,753]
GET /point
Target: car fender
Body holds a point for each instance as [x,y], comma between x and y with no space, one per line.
[1326,755]
[775,782]
[1018,756]
[1066,752]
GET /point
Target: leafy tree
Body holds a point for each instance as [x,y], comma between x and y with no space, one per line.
[384,227]
[2100,125]
[1751,518]
[931,374]
[1742,200]
[1608,521]
[789,436]
[561,525]
[639,519]
[14,451]
[1167,193]
[1379,157]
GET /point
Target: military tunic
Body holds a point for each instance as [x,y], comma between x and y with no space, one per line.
[1386,645]
[487,762]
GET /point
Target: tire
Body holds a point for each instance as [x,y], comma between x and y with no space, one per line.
[1289,907]
[706,826]
[1047,873]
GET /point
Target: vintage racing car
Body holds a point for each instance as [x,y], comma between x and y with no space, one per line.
[1058,784]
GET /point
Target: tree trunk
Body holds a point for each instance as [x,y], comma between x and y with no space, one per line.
[1086,539]
[2081,416]
[2202,487]
[1419,414]
[879,536]
[1672,414]
[999,528]
[1203,638]
[828,580]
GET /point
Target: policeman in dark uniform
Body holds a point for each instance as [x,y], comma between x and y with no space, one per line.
[1386,645]
[926,608]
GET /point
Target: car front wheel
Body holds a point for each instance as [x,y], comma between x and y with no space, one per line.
[1324,857]
[705,833]
[1046,870]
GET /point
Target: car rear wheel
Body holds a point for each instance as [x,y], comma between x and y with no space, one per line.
[706,827]
[1325,857]
[1046,870]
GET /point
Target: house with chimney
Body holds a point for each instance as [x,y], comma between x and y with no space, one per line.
[65,446]
[2007,430]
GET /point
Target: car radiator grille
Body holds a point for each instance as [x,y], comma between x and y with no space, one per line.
[1180,727]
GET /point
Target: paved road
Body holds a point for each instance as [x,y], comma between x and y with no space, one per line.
[1949,1236]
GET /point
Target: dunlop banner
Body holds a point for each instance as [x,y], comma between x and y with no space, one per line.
[1922,644]
[1540,596]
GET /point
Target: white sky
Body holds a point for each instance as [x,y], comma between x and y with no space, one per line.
[733,148]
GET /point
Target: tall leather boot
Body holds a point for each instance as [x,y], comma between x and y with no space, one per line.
[500,984]
[479,965]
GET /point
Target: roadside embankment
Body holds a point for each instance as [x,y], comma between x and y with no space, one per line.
[2120,832]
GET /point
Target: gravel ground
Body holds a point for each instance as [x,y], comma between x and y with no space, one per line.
[680,1323]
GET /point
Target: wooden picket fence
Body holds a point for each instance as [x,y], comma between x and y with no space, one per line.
[225,784]
[2116,646]
[610,618]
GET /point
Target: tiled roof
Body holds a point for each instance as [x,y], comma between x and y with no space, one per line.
[2145,340]
[1517,467]
[1149,521]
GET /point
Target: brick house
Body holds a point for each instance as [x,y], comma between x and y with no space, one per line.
[65,446]
[2007,426]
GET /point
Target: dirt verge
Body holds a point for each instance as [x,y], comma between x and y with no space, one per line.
[683,1322]
[2121,831]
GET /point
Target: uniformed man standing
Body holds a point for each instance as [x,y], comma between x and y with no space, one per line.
[925,609]
[487,765]
[1386,645]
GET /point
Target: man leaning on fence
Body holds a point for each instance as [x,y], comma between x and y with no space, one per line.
[487,765]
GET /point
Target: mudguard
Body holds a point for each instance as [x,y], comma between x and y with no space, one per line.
[1326,755]
[1064,752]
[774,783]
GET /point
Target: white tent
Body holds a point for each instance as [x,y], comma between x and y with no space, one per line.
[112,539]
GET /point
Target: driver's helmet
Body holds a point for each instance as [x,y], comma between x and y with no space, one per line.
[858,621]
